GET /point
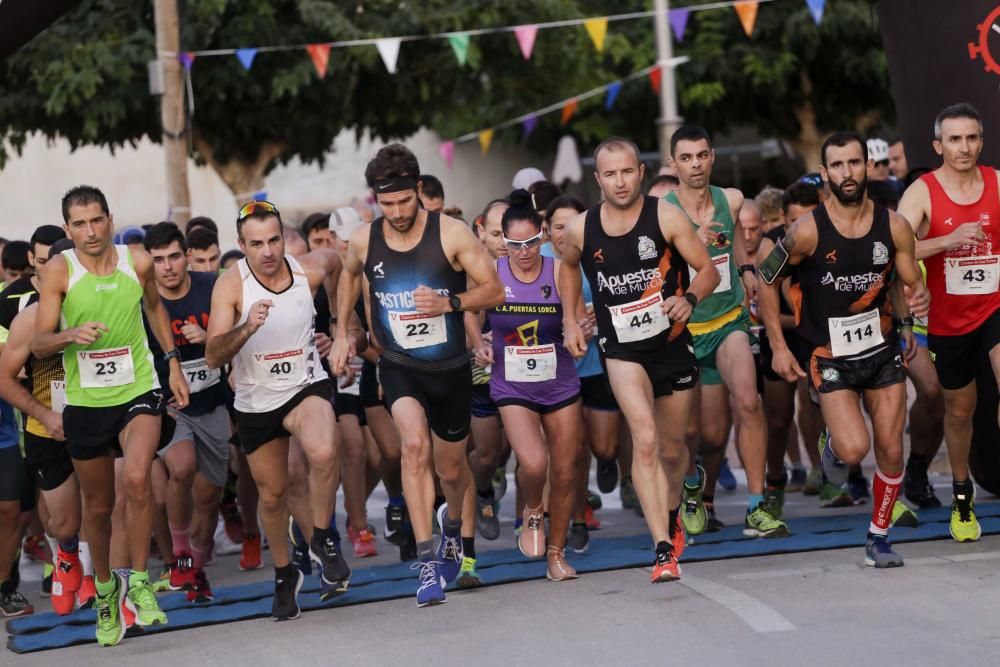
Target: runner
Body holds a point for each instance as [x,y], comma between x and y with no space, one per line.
[954,212]
[16,295]
[534,383]
[203,250]
[16,496]
[93,294]
[636,251]
[845,253]
[720,328]
[281,389]
[416,265]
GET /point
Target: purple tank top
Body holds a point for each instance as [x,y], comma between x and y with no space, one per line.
[529,360]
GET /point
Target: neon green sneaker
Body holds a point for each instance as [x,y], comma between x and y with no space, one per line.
[964,526]
[162,583]
[468,577]
[693,513]
[110,628]
[831,495]
[903,516]
[761,523]
[814,482]
[141,601]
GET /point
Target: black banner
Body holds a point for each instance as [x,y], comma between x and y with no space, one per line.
[21,20]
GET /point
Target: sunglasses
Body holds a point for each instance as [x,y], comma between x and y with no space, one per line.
[526,244]
[255,207]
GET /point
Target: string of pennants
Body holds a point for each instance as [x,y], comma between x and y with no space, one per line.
[388,47]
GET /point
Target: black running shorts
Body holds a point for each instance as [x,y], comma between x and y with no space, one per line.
[597,395]
[674,368]
[446,396]
[882,369]
[93,432]
[958,358]
[48,461]
[259,428]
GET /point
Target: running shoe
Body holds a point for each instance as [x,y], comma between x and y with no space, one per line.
[813,483]
[531,542]
[182,572]
[87,594]
[110,626]
[607,475]
[857,486]
[487,521]
[300,549]
[162,582]
[363,542]
[831,495]
[760,522]
[127,615]
[594,501]
[578,539]
[774,501]
[500,483]
[48,573]
[726,478]
[14,604]
[903,516]
[665,567]
[63,599]
[395,520]
[285,605]
[430,592]
[36,549]
[836,470]
[250,558]
[335,574]
[141,601]
[468,576]
[626,491]
[796,480]
[964,526]
[714,525]
[917,487]
[879,553]
[557,568]
[222,545]
[679,539]
[593,523]
[693,507]
[232,520]
[201,591]
[449,552]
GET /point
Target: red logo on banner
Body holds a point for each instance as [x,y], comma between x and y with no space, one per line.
[988,47]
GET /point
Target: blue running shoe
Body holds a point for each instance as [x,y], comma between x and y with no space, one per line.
[300,548]
[431,590]
[449,553]
[835,469]
[726,478]
[879,553]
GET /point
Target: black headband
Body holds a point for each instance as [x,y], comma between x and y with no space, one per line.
[397,184]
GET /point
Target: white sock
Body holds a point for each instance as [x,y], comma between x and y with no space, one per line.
[85,562]
[53,547]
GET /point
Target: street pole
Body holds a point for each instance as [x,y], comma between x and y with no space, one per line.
[172,116]
[669,120]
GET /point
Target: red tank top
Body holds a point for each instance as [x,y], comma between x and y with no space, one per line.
[963,281]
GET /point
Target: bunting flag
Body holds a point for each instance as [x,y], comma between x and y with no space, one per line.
[447,151]
[656,78]
[678,21]
[598,30]
[529,125]
[246,57]
[613,90]
[747,11]
[485,139]
[816,8]
[389,50]
[187,59]
[567,112]
[320,54]
[460,45]
[526,39]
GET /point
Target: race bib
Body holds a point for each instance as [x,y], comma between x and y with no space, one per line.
[850,336]
[105,368]
[722,265]
[529,364]
[199,376]
[639,320]
[971,275]
[280,369]
[57,392]
[412,329]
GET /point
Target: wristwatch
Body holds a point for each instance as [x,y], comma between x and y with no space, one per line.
[455,303]
[907,321]
[691,298]
[172,354]
[747,267]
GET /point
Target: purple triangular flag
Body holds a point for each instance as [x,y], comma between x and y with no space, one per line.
[816,7]
[529,125]
[613,90]
[186,58]
[246,57]
[678,21]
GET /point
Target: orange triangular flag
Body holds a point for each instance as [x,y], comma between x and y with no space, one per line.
[655,79]
[747,11]
[320,54]
[567,111]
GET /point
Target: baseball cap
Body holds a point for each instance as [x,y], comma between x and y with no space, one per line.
[526,177]
[128,235]
[344,221]
[878,150]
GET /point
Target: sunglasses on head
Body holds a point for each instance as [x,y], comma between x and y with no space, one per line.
[255,207]
[526,244]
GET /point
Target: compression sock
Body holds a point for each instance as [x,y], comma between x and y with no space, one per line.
[885,490]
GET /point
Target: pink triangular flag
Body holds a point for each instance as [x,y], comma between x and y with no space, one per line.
[447,151]
[526,39]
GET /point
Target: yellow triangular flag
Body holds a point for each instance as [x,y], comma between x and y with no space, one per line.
[597,29]
[747,11]
[485,139]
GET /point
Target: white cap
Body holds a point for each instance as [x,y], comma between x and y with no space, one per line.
[878,150]
[527,177]
[344,221]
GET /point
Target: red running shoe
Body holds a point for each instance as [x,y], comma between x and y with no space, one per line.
[592,521]
[680,539]
[87,593]
[665,568]
[36,549]
[69,569]
[201,591]
[233,521]
[363,542]
[250,558]
[182,572]
[63,599]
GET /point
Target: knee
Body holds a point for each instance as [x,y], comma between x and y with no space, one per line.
[644,446]
[64,526]
[138,486]
[323,460]
[533,467]
[561,475]
[851,449]
[673,454]
[183,473]
[101,506]
[748,407]
[273,499]
[416,451]
[960,411]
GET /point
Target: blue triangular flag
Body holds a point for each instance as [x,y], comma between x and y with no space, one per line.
[613,91]
[816,7]
[246,57]
[529,125]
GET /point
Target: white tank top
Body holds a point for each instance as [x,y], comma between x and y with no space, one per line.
[280,359]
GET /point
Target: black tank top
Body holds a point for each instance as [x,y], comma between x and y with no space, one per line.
[408,337]
[847,279]
[631,268]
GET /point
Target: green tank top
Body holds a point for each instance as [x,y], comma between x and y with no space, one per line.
[729,293]
[119,366]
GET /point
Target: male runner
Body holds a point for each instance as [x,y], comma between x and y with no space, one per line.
[636,251]
[96,295]
[281,388]
[955,211]
[15,296]
[416,265]
[720,329]
[845,253]
[203,250]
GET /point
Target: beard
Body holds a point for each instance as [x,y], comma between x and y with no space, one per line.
[853,198]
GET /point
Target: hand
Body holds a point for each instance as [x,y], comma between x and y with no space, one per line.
[341,354]
[194,333]
[967,233]
[178,385]
[87,333]
[918,299]
[484,355]
[587,327]
[258,314]
[323,344]
[677,309]
[573,339]
[707,232]
[426,300]
[750,285]
[348,376]
[52,421]
[785,365]
[906,333]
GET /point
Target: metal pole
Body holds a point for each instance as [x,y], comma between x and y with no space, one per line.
[669,120]
[172,116]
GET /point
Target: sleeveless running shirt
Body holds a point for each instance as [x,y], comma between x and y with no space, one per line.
[841,295]
[963,282]
[631,276]
[529,360]
[410,338]
[119,365]
[46,382]
[280,359]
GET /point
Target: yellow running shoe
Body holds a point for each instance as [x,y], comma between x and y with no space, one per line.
[964,527]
